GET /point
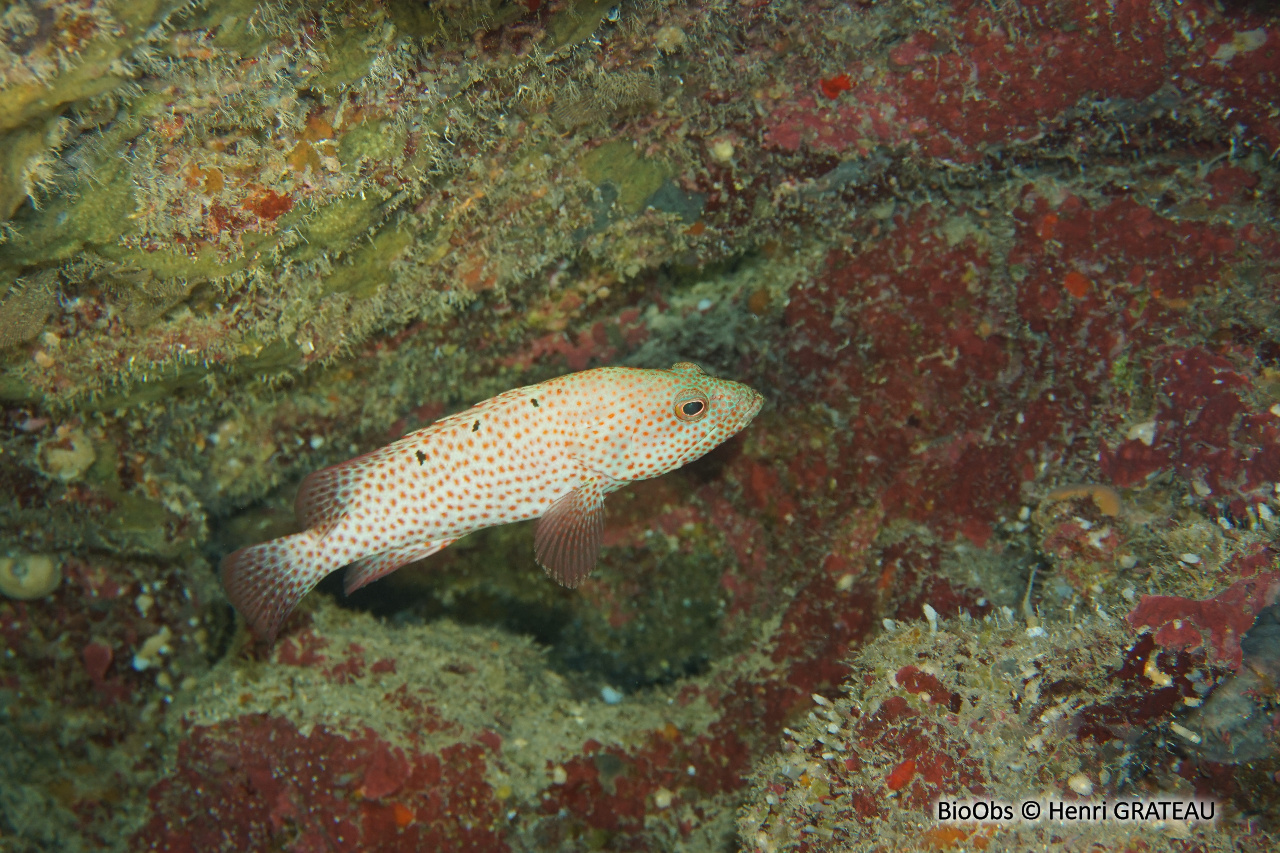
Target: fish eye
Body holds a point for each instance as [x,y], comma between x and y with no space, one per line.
[691,405]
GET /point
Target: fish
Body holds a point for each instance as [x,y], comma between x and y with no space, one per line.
[551,451]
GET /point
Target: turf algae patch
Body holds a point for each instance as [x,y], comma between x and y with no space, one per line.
[351,51]
[577,22]
[334,225]
[236,23]
[173,264]
[369,267]
[371,140]
[22,153]
[25,308]
[634,177]
[95,212]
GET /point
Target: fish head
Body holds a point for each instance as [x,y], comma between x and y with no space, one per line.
[647,422]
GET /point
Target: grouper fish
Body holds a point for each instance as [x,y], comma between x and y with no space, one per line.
[550,451]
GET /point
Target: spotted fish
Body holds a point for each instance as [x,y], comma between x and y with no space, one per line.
[550,451]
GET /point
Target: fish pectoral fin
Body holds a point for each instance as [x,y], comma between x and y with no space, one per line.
[368,570]
[567,541]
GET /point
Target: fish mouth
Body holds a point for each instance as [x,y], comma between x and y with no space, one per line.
[741,403]
[748,406]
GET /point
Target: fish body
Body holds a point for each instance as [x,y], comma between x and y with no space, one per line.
[551,451]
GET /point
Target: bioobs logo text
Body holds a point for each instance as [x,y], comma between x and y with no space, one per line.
[978,810]
[1132,810]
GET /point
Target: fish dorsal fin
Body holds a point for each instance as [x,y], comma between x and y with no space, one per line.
[368,570]
[569,534]
[323,495]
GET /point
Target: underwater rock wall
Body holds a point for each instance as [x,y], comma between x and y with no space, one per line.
[1006,274]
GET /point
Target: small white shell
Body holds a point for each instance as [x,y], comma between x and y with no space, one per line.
[66,456]
[1080,783]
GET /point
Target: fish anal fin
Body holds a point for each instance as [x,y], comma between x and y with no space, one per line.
[368,570]
[567,541]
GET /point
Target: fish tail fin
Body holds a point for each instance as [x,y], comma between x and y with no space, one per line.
[265,582]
